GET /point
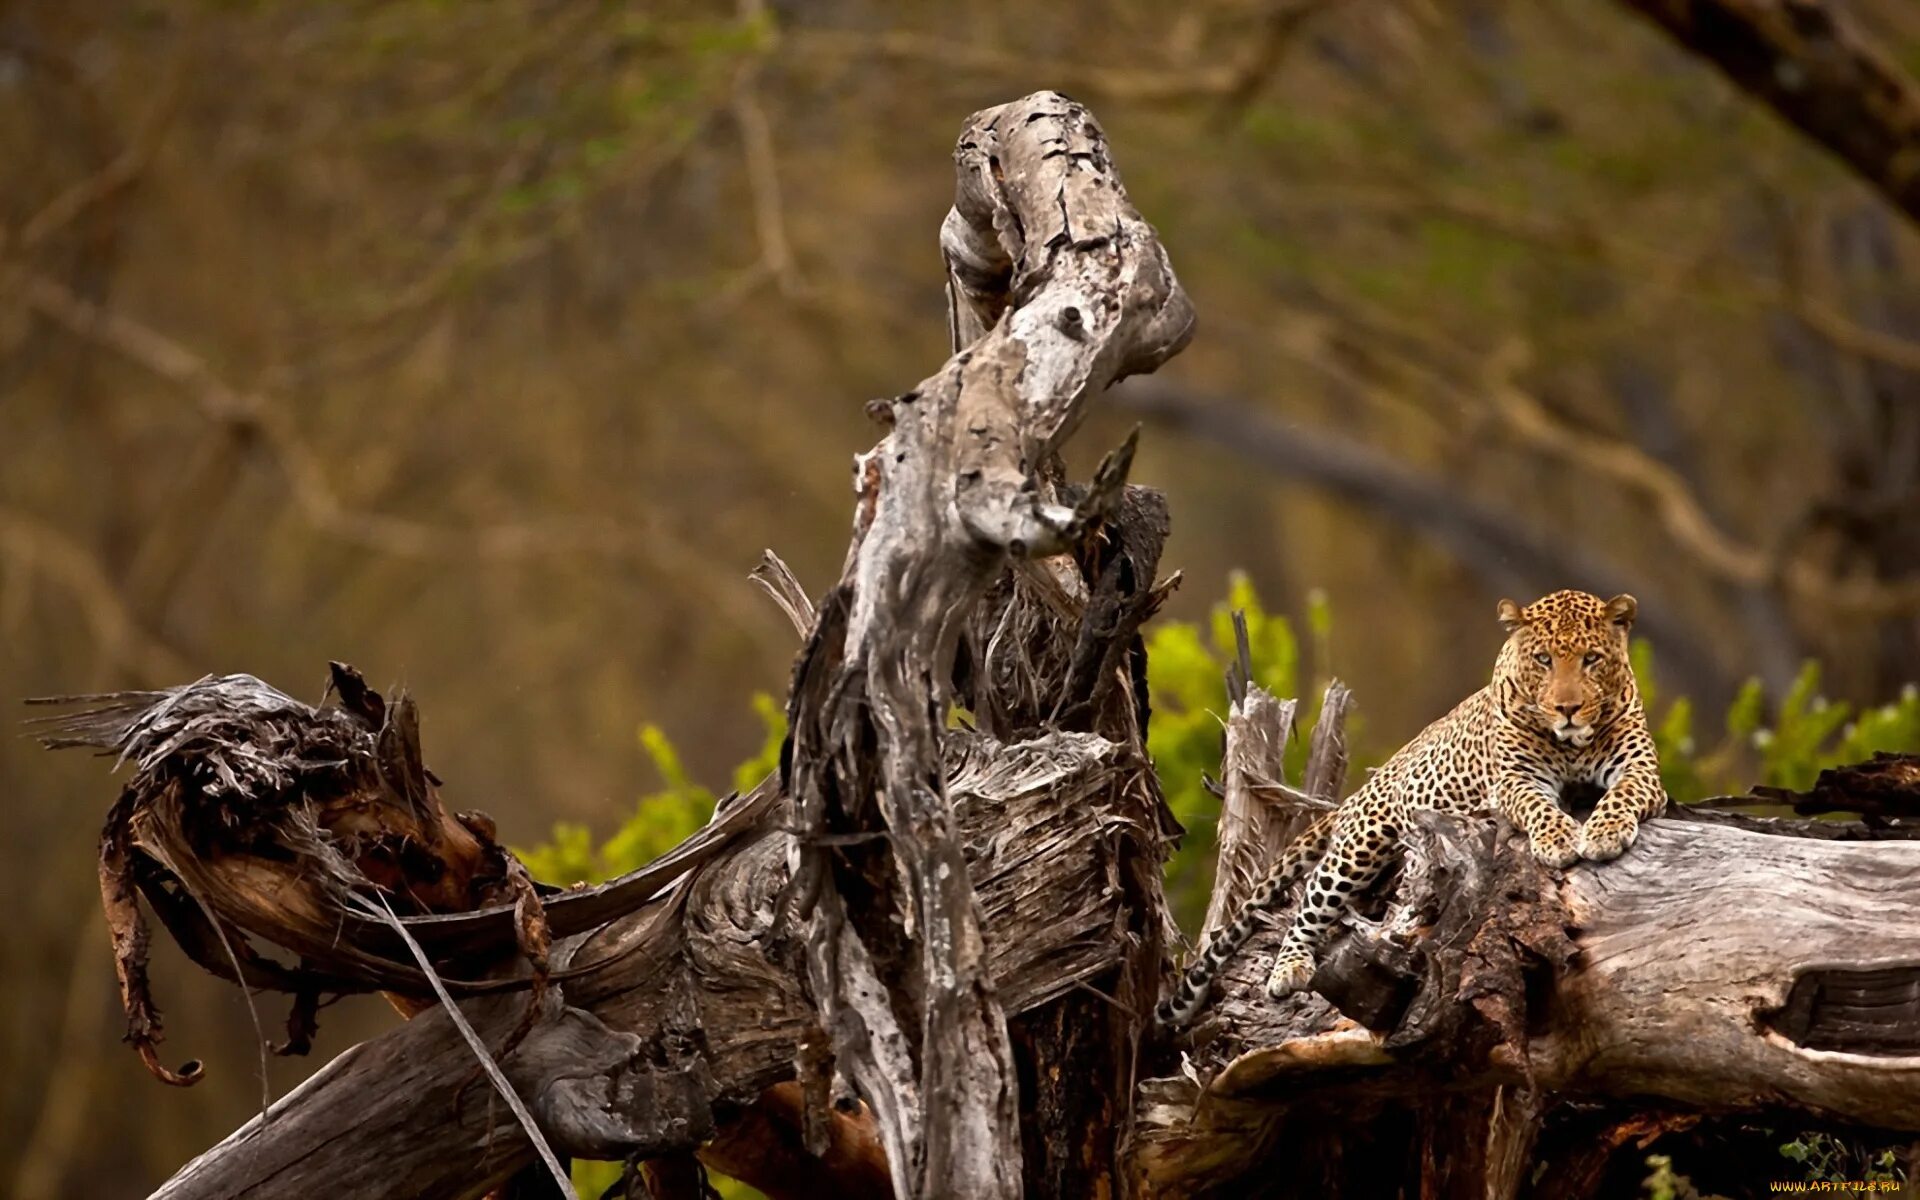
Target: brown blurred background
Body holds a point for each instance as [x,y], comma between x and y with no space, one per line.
[485,345]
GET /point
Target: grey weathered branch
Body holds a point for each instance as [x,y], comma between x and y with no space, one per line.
[1057,287]
[1253,828]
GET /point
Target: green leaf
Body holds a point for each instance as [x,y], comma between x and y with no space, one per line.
[1748,707]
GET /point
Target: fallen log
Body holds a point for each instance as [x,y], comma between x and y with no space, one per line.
[1713,969]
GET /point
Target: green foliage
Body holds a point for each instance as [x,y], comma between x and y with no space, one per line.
[766,760]
[1833,1160]
[592,1179]
[664,818]
[1664,1183]
[1808,734]
[1680,771]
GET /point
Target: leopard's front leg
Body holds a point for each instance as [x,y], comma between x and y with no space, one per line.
[1362,839]
[1534,808]
[1634,795]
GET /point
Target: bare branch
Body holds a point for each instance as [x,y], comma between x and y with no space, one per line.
[1680,511]
[763,164]
[118,175]
[1805,60]
[777,579]
[1232,80]
[1490,383]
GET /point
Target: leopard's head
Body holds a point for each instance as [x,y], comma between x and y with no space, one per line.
[1564,670]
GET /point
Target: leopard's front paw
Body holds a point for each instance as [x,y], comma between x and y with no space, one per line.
[1557,845]
[1607,838]
[1292,972]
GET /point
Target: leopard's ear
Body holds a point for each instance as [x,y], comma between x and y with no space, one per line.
[1511,618]
[1622,609]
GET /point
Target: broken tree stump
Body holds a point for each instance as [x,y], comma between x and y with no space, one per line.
[1056,288]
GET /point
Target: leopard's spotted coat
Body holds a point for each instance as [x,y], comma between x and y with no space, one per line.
[1562,709]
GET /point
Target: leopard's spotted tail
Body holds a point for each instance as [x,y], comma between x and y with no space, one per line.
[1299,858]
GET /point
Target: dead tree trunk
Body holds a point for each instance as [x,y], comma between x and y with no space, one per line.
[1057,288]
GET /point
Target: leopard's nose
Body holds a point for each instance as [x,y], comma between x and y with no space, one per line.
[1568,710]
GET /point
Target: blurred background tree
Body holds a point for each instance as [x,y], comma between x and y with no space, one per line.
[486,345]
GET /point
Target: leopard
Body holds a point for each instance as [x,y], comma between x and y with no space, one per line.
[1562,711]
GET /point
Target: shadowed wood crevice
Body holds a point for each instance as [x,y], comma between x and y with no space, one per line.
[1870,1011]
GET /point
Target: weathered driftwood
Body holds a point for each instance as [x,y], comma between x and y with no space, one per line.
[1713,968]
[1057,288]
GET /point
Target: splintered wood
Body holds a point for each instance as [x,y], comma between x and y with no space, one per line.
[1057,288]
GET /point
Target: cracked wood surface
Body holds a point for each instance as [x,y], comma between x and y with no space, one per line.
[1057,288]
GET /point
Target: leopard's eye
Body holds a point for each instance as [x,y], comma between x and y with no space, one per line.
[1545,660]
[1593,656]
